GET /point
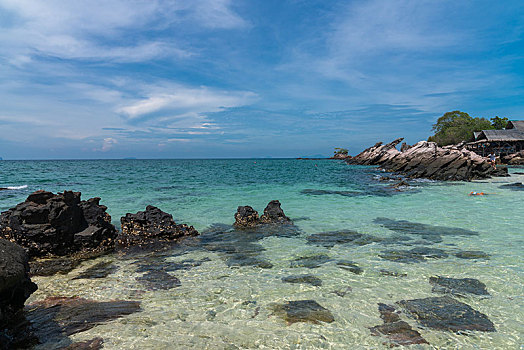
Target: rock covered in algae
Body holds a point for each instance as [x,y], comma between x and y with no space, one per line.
[303,311]
[310,261]
[397,331]
[458,286]
[448,314]
[332,238]
[472,254]
[415,255]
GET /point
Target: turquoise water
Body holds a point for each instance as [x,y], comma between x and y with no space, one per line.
[219,306]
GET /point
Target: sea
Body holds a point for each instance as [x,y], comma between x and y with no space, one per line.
[232,283]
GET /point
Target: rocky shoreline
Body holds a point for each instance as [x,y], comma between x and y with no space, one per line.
[429,161]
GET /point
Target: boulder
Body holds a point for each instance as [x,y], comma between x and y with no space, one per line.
[514,159]
[427,160]
[152,225]
[303,311]
[246,216]
[273,214]
[48,224]
[15,284]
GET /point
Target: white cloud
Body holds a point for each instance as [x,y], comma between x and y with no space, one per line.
[104,30]
[177,105]
[108,144]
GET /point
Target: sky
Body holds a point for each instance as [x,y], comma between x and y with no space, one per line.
[99,79]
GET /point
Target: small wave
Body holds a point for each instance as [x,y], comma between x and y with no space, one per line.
[16,187]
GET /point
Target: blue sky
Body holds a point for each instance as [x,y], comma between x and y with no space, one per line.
[226,78]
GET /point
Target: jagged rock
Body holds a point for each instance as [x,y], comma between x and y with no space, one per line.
[404,147]
[15,284]
[303,311]
[246,216]
[427,160]
[514,159]
[273,214]
[399,332]
[56,225]
[150,225]
[446,313]
[399,185]
[457,286]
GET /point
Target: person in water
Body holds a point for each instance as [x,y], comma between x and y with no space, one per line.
[492,158]
[477,194]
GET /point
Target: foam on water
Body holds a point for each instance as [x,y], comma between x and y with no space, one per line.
[221,306]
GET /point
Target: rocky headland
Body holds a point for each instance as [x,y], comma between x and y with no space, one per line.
[427,160]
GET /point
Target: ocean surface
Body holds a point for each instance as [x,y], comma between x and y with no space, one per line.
[229,290]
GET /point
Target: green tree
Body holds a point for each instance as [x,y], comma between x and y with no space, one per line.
[455,127]
[499,123]
[339,150]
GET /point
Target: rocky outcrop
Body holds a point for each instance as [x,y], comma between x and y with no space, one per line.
[427,160]
[514,159]
[152,225]
[247,217]
[15,284]
[273,214]
[48,224]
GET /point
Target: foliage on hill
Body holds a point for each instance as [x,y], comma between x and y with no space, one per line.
[455,127]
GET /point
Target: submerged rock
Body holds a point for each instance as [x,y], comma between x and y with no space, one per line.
[273,214]
[427,160]
[446,313]
[54,318]
[342,292]
[303,311]
[472,254]
[246,216]
[62,265]
[350,266]
[517,186]
[56,225]
[100,270]
[159,280]
[392,273]
[310,261]
[457,286]
[397,331]
[15,284]
[150,225]
[415,255]
[307,279]
[330,239]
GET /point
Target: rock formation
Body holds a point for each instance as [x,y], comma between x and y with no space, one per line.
[152,224]
[48,224]
[247,217]
[427,160]
[273,214]
[514,159]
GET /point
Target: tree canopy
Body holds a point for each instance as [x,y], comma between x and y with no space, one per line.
[339,150]
[455,127]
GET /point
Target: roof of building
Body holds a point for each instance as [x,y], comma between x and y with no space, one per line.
[515,124]
[476,134]
[501,135]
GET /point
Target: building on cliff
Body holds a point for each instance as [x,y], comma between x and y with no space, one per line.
[502,142]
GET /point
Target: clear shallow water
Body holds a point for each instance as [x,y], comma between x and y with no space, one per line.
[220,307]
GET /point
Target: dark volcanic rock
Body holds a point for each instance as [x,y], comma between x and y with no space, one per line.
[349,266]
[446,313]
[310,261]
[55,225]
[457,286]
[15,284]
[399,332]
[303,311]
[273,214]
[330,239]
[427,160]
[472,254]
[246,216]
[517,186]
[308,279]
[150,225]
